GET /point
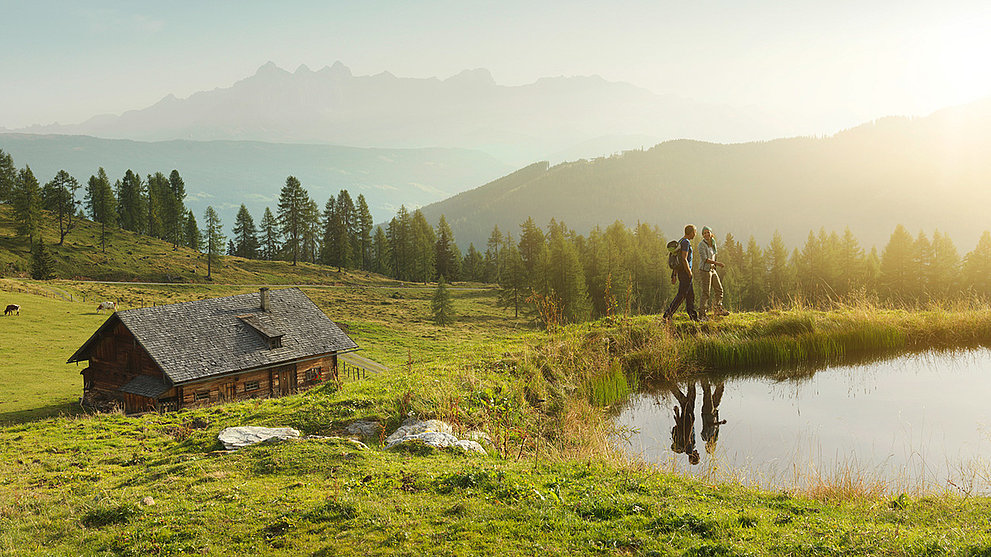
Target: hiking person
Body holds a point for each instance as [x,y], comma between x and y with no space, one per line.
[708,277]
[683,432]
[710,414]
[683,272]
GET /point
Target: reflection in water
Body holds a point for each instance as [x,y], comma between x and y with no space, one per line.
[710,415]
[683,432]
[915,422]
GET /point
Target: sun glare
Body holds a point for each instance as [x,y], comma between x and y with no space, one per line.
[961,63]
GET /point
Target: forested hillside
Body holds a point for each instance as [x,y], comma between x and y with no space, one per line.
[227,173]
[926,173]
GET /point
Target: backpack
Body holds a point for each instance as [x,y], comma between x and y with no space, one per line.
[674,255]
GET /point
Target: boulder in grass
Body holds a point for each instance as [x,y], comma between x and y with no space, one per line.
[234,438]
[413,426]
[432,433]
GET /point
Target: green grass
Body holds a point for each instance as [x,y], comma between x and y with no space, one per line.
[551,484]
[75,486]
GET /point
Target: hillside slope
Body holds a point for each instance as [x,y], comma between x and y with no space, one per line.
[134,257]
[925,173]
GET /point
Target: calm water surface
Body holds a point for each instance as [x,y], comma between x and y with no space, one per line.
[918,422]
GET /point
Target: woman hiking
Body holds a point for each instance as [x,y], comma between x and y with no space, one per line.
[712,287]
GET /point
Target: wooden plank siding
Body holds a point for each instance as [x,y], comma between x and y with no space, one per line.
[272,382]
[118,358]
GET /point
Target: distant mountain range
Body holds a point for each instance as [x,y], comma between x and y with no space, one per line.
[227,173]
[925,173]
[555,118]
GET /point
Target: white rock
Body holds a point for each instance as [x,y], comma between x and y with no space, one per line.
[434,433]
[412,426]
[237,437]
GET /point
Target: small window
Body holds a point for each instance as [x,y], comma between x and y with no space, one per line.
[313,375]
[251,386]
[202,395]
[275,342]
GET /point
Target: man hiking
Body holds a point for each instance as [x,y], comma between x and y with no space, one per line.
[683,272]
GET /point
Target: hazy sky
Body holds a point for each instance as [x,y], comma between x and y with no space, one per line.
[824,64]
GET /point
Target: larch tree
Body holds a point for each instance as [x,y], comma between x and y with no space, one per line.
[269,235]
[8,176]
[102,204]
[214,240]
[59,197]
[27,205]
[447,256]
[363,234]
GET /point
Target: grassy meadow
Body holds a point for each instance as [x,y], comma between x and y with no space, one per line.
[73,483]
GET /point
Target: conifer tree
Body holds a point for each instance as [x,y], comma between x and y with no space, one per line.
[754,274]
[441,305]
[473,266]
[8,177]
[977,268]
[380,252]
[447,256]
[174,209]
[328,253]
[310,247]
[214,240]
[59,197]
[363,234]
[159,195]
[400,236]
[293,202]
[424,240]
[269,235]
[566,277]
[42,262]
[191,232]
[513,288]
[897,267]
[131,203]
[344,225]
[780,279]
[851,264]
[245,234]
[102,204]
[493,253]
[27,205]
[943,278]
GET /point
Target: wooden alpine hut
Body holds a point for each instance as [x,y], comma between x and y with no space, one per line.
[191,354]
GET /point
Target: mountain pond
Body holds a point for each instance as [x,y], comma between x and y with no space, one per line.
[914,423]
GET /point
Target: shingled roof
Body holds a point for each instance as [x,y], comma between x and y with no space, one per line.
[205,338]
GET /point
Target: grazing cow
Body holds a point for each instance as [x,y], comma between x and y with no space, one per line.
[12,308]
[112,306]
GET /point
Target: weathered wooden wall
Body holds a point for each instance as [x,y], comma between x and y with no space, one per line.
[272,382]
[117,358]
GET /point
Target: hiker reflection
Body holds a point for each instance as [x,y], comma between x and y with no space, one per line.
[683,432]
[710,414]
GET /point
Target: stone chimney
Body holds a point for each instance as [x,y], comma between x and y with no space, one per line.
[263,292]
